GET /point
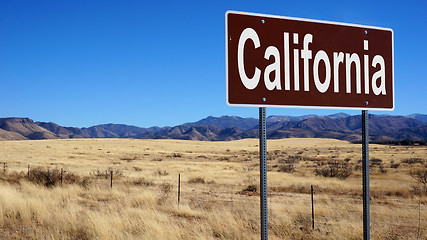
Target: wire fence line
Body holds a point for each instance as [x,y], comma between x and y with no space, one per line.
[390,218]
[321,216]
[373,223]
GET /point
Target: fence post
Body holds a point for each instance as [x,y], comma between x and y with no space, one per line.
[28,173]
[4,167]
[419,219]
[312,207]
[61,176]
[179,188]
[111,183]
[48,178]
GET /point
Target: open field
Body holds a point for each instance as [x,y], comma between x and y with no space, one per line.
[219,189]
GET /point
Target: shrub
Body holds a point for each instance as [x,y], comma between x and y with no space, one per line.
[303,221]
[251,188]
[419,190]
[106,173]
[116,172]
[413,160]
[142,182]
[70,178]
[335,168]
[375,161]
[160,173]
[137,169]
[382,170]
[196,180]
[100,173]
[165,189]
[85,182]
[42,177]
[12,177]
[129,158]
[294,158]
[394,165]
[419,175]
[287,168]
[49,177]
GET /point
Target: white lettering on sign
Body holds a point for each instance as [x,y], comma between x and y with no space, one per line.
[250,83]
[339,59]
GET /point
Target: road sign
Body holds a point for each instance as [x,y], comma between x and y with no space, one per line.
[274,61]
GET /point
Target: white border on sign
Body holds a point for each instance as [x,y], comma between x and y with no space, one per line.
[304,20]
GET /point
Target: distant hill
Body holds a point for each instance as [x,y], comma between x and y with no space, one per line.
[120,130]
[227,122]
[275,118]
[63,132]
[117,131]
[349,128]
[421,117]
[7,135]
[23,128]
[342,126]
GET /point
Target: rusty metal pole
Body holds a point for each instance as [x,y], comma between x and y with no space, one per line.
[365,174]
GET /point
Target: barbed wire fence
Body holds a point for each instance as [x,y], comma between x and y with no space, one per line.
[326,214]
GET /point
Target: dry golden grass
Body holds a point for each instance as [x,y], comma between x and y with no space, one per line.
[143,201]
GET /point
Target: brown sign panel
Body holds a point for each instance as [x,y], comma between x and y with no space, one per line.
[289,62]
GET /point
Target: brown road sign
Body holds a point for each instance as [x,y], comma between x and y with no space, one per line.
[274,61]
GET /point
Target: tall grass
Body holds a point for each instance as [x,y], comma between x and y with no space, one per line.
[143,201]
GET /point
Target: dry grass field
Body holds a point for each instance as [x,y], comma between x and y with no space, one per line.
[219,189]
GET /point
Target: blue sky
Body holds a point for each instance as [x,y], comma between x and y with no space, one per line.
[162,63]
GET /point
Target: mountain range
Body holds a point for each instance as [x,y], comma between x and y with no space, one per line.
[382,128]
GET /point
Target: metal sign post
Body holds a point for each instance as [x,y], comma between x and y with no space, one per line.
[263,172]
[365,174]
